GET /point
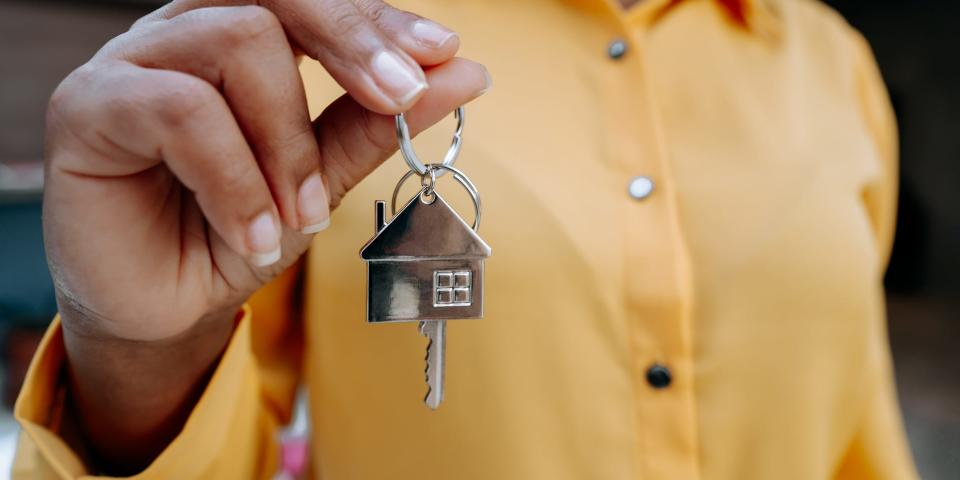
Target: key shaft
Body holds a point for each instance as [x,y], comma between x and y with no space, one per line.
[436,333]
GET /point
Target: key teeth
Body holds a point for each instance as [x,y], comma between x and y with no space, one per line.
[434,331]
[426,369]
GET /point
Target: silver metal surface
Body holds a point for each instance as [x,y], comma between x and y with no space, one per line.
[403,291]
[410,156]
[409,257]
[436,333]
[452,293]
[424,230]
[425,263]
[428,188]
[461,279]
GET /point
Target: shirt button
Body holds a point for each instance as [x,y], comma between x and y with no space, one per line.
[658,376]
[640,187]
[617,49]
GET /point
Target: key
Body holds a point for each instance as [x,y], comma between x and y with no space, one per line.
[436,333]
[425,264]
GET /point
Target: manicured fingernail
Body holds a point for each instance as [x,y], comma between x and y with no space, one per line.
[263,237]
[265,259]
[398,80]
[316,227]
[430,34]
[312,204]
[488,82]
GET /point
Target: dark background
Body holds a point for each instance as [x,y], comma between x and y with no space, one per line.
[916,43]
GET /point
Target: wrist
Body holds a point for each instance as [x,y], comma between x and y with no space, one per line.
[130,398]
[86,324]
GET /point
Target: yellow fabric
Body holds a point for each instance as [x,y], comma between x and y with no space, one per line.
[753,271]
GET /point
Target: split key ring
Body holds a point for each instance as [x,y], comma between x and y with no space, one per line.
[413,161]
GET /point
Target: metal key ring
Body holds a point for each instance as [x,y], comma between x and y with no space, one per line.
[406,147]
[457,175]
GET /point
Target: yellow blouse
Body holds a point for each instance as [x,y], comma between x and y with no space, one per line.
[749,276]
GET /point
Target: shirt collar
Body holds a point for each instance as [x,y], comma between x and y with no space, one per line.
[758,16]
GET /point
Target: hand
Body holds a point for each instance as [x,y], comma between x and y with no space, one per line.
[182,161]
[184,172]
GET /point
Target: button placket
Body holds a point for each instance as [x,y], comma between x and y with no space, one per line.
[656,271]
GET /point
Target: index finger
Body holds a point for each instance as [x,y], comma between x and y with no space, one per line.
[372,62]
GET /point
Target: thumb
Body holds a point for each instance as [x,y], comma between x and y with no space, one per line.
[354,141]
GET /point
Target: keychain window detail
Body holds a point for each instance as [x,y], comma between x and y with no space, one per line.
[452,289]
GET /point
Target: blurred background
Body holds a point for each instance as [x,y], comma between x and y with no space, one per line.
[916,44]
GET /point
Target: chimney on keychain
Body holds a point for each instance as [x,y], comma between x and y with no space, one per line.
[381,215]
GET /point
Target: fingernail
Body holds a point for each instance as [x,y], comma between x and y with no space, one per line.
[397,79]
[313,205]
[263,237]
[316,227]
[430,34]
[265,259]
[488,82]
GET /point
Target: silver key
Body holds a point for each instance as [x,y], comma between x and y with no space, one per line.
[425,264]
[436,333]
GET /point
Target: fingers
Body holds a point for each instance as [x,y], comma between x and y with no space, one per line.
[426,41]
[374,51]
[159,116]
[354,141]
[252,108]
[374,70]
[244,53]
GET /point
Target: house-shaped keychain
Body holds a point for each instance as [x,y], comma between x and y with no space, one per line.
[425,264]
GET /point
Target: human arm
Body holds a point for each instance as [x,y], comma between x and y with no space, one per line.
[179,159]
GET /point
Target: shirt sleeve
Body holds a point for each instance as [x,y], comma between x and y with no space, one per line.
[878,448]
[232,430]
[880,196]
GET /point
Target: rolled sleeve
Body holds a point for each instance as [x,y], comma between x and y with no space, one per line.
[229,434]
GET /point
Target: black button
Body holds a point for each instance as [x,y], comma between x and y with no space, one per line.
[617,49]
[659,376]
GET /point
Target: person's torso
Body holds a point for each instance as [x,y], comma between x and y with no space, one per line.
[750,271]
